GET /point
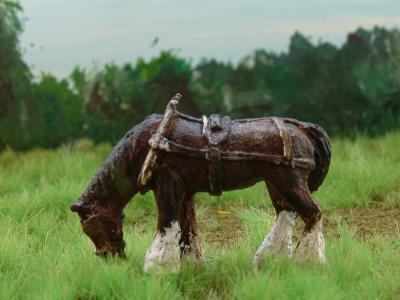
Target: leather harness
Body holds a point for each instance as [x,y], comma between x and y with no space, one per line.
[216,130]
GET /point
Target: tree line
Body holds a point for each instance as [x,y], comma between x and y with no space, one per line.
[348,89]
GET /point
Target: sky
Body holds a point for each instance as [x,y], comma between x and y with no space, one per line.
[90,33]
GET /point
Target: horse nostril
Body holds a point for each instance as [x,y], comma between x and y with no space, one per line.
[77,206]
[74,207]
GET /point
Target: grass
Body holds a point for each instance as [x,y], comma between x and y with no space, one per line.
[44,254]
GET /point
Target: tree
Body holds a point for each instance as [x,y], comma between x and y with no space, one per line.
[14,75]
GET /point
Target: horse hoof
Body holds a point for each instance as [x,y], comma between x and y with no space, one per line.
[311,255]
[159,269]
[163,255]
[158,264]
[107,253]
[311,246]
[193,258]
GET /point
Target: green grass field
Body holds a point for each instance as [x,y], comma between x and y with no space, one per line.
[45,255]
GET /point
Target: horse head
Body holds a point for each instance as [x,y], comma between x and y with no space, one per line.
[103,225]
[100,207]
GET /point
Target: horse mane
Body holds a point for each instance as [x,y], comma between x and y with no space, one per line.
[113,180]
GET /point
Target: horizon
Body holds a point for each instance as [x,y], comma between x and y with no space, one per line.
[107,31]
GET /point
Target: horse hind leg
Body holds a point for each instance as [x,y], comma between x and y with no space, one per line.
[311,246]
[163,256]
[279,239]
[189,243]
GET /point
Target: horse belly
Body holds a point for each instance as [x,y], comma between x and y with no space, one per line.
[241,174]
[195,172]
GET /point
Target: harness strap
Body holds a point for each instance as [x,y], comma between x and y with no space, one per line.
[286,140]
[172,147]
[215,171]
[214,134]
[153,156]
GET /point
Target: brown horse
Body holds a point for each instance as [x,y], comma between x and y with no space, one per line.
[178,156]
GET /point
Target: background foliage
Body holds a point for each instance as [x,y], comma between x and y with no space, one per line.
[347,89]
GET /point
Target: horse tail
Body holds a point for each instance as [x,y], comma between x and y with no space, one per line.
[322,155]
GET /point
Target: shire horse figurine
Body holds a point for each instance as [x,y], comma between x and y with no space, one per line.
[177,156]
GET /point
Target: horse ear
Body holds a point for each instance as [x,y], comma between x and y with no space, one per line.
[76,206]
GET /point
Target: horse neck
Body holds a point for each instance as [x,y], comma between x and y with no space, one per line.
[114,183]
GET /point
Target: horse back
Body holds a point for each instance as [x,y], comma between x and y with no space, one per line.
[259,135]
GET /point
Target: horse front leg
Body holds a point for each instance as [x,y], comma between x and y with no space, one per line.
[163,256]
[189,242]
[279,239]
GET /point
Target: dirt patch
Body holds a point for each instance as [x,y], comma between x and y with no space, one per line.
[220,227]
[225,229]
[365,221]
